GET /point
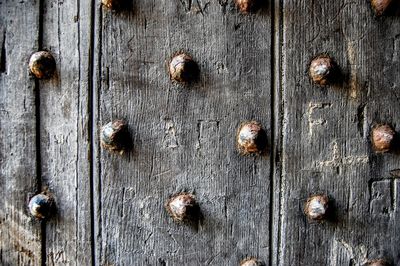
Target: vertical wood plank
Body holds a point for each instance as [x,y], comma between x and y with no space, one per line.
[183,137]
[326,134]
[20,235]
[65,131]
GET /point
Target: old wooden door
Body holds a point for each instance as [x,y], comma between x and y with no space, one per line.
[113,65]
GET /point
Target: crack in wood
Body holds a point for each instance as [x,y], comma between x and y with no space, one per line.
[3,54]
[361,121]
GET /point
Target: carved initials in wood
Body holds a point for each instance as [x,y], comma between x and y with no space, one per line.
[313,122]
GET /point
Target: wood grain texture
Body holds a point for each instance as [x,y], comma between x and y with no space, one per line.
[20,235]
[326,145]
[113,65]
[65,132]
[184,138]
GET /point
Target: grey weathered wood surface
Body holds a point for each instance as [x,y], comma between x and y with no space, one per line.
[65,131]
[20,236]
[325,146]
[113,65]
[183,138]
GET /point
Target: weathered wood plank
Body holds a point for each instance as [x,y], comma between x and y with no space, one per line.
[20,235]
[326,134]
[65,132]
[183,137]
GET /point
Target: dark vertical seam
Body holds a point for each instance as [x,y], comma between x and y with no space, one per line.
[59,33]
[99,63]
[276,128]
[91,132]
[281,133]
[78,5]
[273,129]
[3,54]
[272,157]
[38,137]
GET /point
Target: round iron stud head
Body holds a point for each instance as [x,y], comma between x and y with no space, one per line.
[316,207]
[183,69]
[183,208]
[382,138]
[251,138]
[115,137]
[41,206]
[42,65]
[323,70]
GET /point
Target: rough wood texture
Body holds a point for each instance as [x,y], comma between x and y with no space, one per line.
[326,145]
[65,132]
[113,65]
[20,235]
[184,138]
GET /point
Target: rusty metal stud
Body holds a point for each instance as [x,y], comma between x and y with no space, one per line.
[42,65]
[183,208]
[183,69]
[250,262]
[112,4]
[247,6]
[382,138]
[323,70]
[316,207]
[41,206]
[115,136]
[380,6]
[377,262]
[251,138]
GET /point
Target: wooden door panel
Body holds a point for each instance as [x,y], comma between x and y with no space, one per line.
[326,132]
[20,235]
[113,65]
[183,137]
[65,131]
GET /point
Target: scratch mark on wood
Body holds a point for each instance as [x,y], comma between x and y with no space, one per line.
[382,198]
[396,48]
[170,140]
[187,4]
[207,135]
[162,173]
[339,161]
[353,82]
[223,4]
[395,173]
[201,9]
[148,237]
[316,122]
[57,257]
[357,254]
[198,128]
